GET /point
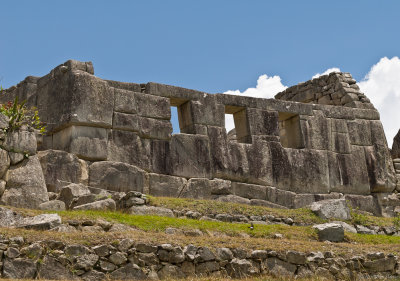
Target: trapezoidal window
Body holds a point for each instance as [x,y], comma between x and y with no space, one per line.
[236,124]
[181,114]
[289,130]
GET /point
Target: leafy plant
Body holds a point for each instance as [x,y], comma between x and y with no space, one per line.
[20,115]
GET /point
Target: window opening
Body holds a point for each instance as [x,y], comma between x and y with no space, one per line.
[236,124]
[289,130]
[175,120]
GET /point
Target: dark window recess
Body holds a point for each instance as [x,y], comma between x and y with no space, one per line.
[290,131]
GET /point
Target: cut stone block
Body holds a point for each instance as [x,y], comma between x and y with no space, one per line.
[60,168]
[124,121]
[89,143]
[190,156]
[155,129]
[116,176]
[128,147]
[125,101]
[167,186]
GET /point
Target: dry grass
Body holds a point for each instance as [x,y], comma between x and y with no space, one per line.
[151,229]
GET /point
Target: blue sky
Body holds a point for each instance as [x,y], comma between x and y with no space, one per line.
[213,46]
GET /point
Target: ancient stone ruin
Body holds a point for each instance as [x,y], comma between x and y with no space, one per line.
[318,140]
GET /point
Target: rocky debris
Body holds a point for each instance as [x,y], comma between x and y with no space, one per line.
[330,232]
[72,191]
[331,209]
[40,222]
[151,210]
[102,205]
[54,205]
[9,218]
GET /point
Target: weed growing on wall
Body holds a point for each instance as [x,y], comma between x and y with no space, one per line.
[20,115]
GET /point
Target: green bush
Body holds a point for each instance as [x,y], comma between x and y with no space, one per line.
[20,115]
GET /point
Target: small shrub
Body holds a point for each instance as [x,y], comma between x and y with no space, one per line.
[20,115]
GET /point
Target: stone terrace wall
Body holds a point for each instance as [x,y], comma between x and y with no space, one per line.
[334,89]
[286,153]
[126,259]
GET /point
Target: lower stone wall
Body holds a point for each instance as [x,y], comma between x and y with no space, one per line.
[126,259]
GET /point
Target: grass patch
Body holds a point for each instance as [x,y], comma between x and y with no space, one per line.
[368,220]
[215,207]
[160,224]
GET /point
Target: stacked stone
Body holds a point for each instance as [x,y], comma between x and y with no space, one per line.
[336,88]
[22,183]
[126,259]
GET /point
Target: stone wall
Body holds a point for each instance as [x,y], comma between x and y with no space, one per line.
[126,259]
[285,152]
[335,88]
[22,183]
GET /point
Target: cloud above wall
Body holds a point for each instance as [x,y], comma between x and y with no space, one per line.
[333,69]
[267,87]
[381,85]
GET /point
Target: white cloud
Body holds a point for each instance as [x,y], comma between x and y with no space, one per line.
[333,69]
[266,87]
[382,86]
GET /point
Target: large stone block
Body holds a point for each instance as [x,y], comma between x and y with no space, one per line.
[197,188]
[360,132]
[61,168]
[190,156]
[153,106]
[219,153]
[263,122]
[128,147]
[281,168]
[126,122]
[116,176]
[75,97]
[260,166]
[20,141]
[250,191]
[317,131]
[380,169]
[4,162]
[281,197]
[363,203]
[177,95]
[131,87]
[89,143]
[303,200]
[73,191]
[125,101]
[238,162]
[26,187]
[160,156]
[208,111]
[309,171]
[340,142]
[348,172]
[155,128]
[167,186]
